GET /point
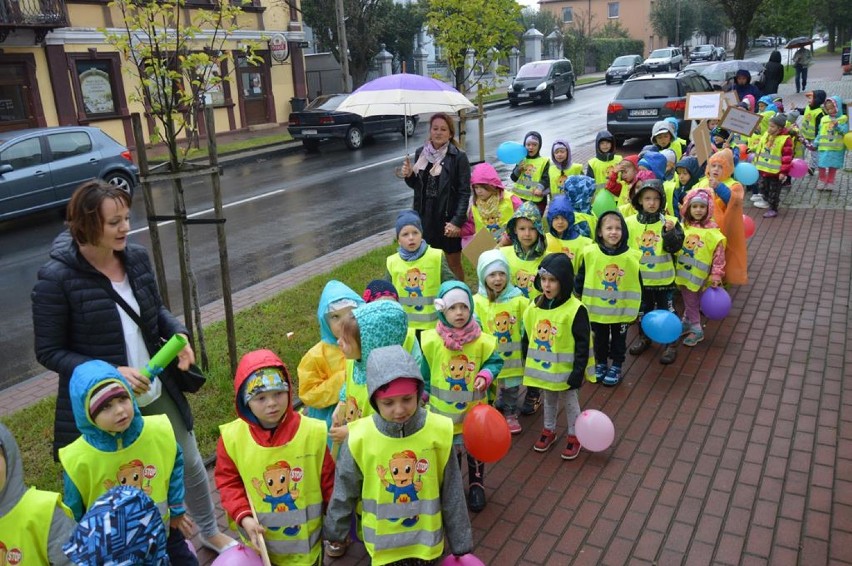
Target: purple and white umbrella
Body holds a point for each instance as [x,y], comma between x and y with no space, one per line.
[404,94]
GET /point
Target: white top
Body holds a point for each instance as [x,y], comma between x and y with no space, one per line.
[137,351]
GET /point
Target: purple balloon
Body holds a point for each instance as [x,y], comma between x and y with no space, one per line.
[463,560]
[191,547]
[715,303]
[238,556]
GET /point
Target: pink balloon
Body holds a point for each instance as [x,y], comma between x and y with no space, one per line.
[595,430]
[238,556]
[798,168]
[463,560]
[748,225]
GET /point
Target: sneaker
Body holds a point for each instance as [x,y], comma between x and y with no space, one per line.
[500,405]
[810,171]
[572,449]
[755,196]
[335,549]
[695,336]
[640,345]
[514,425]
[600,372]
[669,354]
[770,214]
[543,444]
[761,203]
[613,376]
[531,404]
[685,326]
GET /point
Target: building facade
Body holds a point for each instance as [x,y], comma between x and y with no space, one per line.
[633,15]
[56,68]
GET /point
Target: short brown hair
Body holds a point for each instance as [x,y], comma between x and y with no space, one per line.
[84,218]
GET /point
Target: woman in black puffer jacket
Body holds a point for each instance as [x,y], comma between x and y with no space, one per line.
[76,319]
[773,73]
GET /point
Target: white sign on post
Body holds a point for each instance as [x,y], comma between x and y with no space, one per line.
[740,121]
[703,106]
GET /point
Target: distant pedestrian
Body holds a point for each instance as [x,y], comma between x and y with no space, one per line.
[802,60]
[773,73]
[743,86]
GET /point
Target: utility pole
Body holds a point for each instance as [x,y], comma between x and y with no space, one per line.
[343,45]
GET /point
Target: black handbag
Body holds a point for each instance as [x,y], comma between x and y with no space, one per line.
[189,381]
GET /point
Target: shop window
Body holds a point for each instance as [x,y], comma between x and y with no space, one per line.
[214,89]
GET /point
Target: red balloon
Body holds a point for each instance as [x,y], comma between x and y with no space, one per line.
[486,433]
[743,151]
[748,224]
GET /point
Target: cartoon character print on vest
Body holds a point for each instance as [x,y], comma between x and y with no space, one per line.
[492,223]
[412,282]
[502,329]
[527,172]
[545,332]
[134,474]
[523,279]
[351,411]
[280,489]
[458,375]
[403,467]
[647,244]
[610,277]
[690,245]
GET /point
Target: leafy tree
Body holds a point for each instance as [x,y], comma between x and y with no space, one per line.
[836,17]
[578,37]
[542,20]
[779,18]
[740,14]
[613,30]
[673,19]
[400,26]
[709,21]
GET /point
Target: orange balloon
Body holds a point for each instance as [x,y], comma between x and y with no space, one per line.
[486,433]
[743,151]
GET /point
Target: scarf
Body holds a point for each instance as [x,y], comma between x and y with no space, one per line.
[489,207]
[416,254]
[456,338]
[433,156]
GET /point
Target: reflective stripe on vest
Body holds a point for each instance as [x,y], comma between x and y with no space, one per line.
[611,289]
[291,518]
[291,547]
[452,396]
[417,283]
[556,378]
[769,157]
[401,510]
[617,295]
[388,542]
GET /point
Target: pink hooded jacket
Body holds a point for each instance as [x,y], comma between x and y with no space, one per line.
[483,174]
[717,269]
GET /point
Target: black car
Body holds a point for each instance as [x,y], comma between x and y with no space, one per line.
[320,120]
[542,81]
[623,68]
[705,52]
[646,99]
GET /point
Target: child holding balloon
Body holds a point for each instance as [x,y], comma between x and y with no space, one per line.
[401,457]
[559,357]
[700,262]
[463,362]
[774,155]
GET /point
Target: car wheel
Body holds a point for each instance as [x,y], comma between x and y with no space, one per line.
[311,146]
[549,96]
[120,180]
[513,103]
[410,125]
[570,94]
[354,137]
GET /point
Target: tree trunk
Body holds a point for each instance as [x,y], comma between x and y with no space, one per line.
[742,42]
[832,34]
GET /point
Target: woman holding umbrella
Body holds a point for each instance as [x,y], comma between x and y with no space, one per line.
[440,177]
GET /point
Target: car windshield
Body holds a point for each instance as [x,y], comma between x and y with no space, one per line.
[326,102]
[661,53]
[623,61]
[703,48]
[534,71]
[645,89]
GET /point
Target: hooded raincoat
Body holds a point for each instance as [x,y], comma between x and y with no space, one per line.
[602,164]
[571,241]
[829,140]
[559,171]
[524,262]
[717,268]
[492,214]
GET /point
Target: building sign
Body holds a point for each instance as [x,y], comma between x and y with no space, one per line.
[279,49]
[97,91]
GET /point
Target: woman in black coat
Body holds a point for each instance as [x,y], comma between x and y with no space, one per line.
[76,319]
[440,177]
[773,73]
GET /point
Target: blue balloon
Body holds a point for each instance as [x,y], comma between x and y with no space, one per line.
[662,326]
[746,173]
[511,152]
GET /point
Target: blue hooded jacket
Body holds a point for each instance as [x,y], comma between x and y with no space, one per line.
[655,162]
[332,292]
[88,377]
[770,105]
[561,206]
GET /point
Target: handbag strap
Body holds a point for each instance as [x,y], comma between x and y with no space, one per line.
[119,300]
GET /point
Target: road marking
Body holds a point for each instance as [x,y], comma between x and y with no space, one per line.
[209,210]
[370,166]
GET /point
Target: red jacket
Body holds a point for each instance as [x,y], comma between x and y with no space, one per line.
[232,491]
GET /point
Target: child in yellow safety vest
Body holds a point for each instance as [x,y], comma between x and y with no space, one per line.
[601,166]
[463,363]
[831,151]
[812,116]
[563,234]
[773,158]
[700,262]
[491,206]
[274,470]
[500,307]
[559,358]
[34,524]
[531,177]
[399,464]
[561,166]
[119,446]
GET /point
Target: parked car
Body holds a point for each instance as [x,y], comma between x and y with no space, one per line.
[623,68]
[721,53]
[646,99]
[665,59]
[320,120]
[763,42]
[706,52]
[542,81]
[41,167]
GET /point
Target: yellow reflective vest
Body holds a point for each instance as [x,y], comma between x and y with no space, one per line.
[284,485]
[809,122]
[25,529]
[401,492]
[529,179]
[417,283]
[768,157]
[504,321]
[355,396]
[602,169]
[572,248]
[695,259]
[147,464]
[523,271]
[495,224]
[557,177]
[612,291]
[831,139]
[657,265]
[453,373]
[550,358]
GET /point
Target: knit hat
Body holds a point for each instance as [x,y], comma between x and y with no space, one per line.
[388,365]
[669,155]
[779,120]
[378,289]
[452,297]
[104,395]
[408,218]
[262,381]
[700,197]
[399,386]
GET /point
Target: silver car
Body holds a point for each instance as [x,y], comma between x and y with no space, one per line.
[40,168]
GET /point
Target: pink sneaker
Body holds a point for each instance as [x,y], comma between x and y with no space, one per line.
[514,425]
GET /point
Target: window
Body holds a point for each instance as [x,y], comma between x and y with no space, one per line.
[69,144]
[26,153]
[612,8]
[567,15]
